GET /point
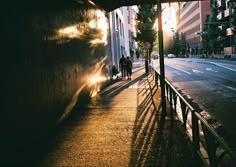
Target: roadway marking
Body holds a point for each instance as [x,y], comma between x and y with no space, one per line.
[229,87]
[177,72]
[210,69]
[196,71]
[221,65]
[179,69]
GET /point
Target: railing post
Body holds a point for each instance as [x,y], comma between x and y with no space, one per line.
[156,79]
[184,111]
[211,146]
[195,139]
[212,150]
[171,103]
[167,92]
[175,101]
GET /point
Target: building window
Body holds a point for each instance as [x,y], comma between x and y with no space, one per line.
[117,23]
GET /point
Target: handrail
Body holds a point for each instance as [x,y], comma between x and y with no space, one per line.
[180,96]
[215,134]
[208,145]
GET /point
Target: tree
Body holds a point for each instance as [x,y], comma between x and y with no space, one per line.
[233,16]
[177,45]
[131,52]
[213,30]
[146,18]
[183,44]
[205,38]
[137,53]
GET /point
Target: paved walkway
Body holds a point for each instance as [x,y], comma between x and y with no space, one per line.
[121,128]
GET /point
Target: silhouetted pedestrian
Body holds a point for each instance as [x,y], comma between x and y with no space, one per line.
[122,66]
[129,64]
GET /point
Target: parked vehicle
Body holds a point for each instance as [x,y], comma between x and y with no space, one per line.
[171,55]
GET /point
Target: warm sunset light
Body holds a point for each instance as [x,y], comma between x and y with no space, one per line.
[99,23]
[95,78]
[70,32]
[169,19]
[96,27]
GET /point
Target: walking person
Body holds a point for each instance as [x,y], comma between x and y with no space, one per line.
[122,66]
[129,64]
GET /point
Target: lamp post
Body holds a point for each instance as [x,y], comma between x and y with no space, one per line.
[161,53]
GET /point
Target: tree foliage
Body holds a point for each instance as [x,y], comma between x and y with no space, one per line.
[178,45]
[233,16]
[213,30]
[205,38]
[146,18]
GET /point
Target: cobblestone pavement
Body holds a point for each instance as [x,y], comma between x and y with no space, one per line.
[120,128]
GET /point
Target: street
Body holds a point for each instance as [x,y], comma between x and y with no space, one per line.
[210,83]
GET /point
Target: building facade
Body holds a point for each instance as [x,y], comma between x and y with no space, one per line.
[192,16]
[225,8]
[132,30]
[122,28]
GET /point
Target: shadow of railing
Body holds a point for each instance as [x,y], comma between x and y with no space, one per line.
[210,149]
[155,140]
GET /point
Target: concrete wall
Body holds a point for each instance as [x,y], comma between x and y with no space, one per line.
[49,53]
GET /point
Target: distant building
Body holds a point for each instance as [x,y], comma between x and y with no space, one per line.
[116,24]
[192,16]
[132,29]
[225,8]
[122,32]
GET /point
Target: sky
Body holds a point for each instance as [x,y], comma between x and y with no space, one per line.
[169,20]
[169,17]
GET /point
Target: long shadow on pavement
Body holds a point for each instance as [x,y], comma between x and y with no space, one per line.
[152,144]
[156,142]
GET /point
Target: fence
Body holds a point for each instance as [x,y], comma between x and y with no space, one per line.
[210,149]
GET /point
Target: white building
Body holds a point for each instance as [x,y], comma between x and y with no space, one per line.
[122,29]
[132,29]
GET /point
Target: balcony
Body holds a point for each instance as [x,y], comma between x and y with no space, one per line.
[221,4]
[220,16]
[229,31]
[227,12]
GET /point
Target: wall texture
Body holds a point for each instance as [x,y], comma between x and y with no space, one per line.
[50,52]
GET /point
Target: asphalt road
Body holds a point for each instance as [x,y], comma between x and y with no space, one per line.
[210,83]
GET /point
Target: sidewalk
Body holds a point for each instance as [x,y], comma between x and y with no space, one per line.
[121,128]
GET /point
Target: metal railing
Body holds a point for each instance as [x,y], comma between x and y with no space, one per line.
[210,149]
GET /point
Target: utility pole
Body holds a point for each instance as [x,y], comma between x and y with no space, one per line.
[162,66]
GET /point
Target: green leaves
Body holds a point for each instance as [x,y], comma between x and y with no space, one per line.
[146,19]
[233,16]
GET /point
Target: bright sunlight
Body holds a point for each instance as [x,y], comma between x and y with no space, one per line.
[169,19]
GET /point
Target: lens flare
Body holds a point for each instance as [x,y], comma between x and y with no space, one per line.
[96,78]
[70,32]
[99,23]
[94,27]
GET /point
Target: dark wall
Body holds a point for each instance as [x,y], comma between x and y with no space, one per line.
[42,71]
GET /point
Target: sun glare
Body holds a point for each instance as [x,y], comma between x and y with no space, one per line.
[95,78]
[101,24]
[169,20]
[97,21]
[70,32]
